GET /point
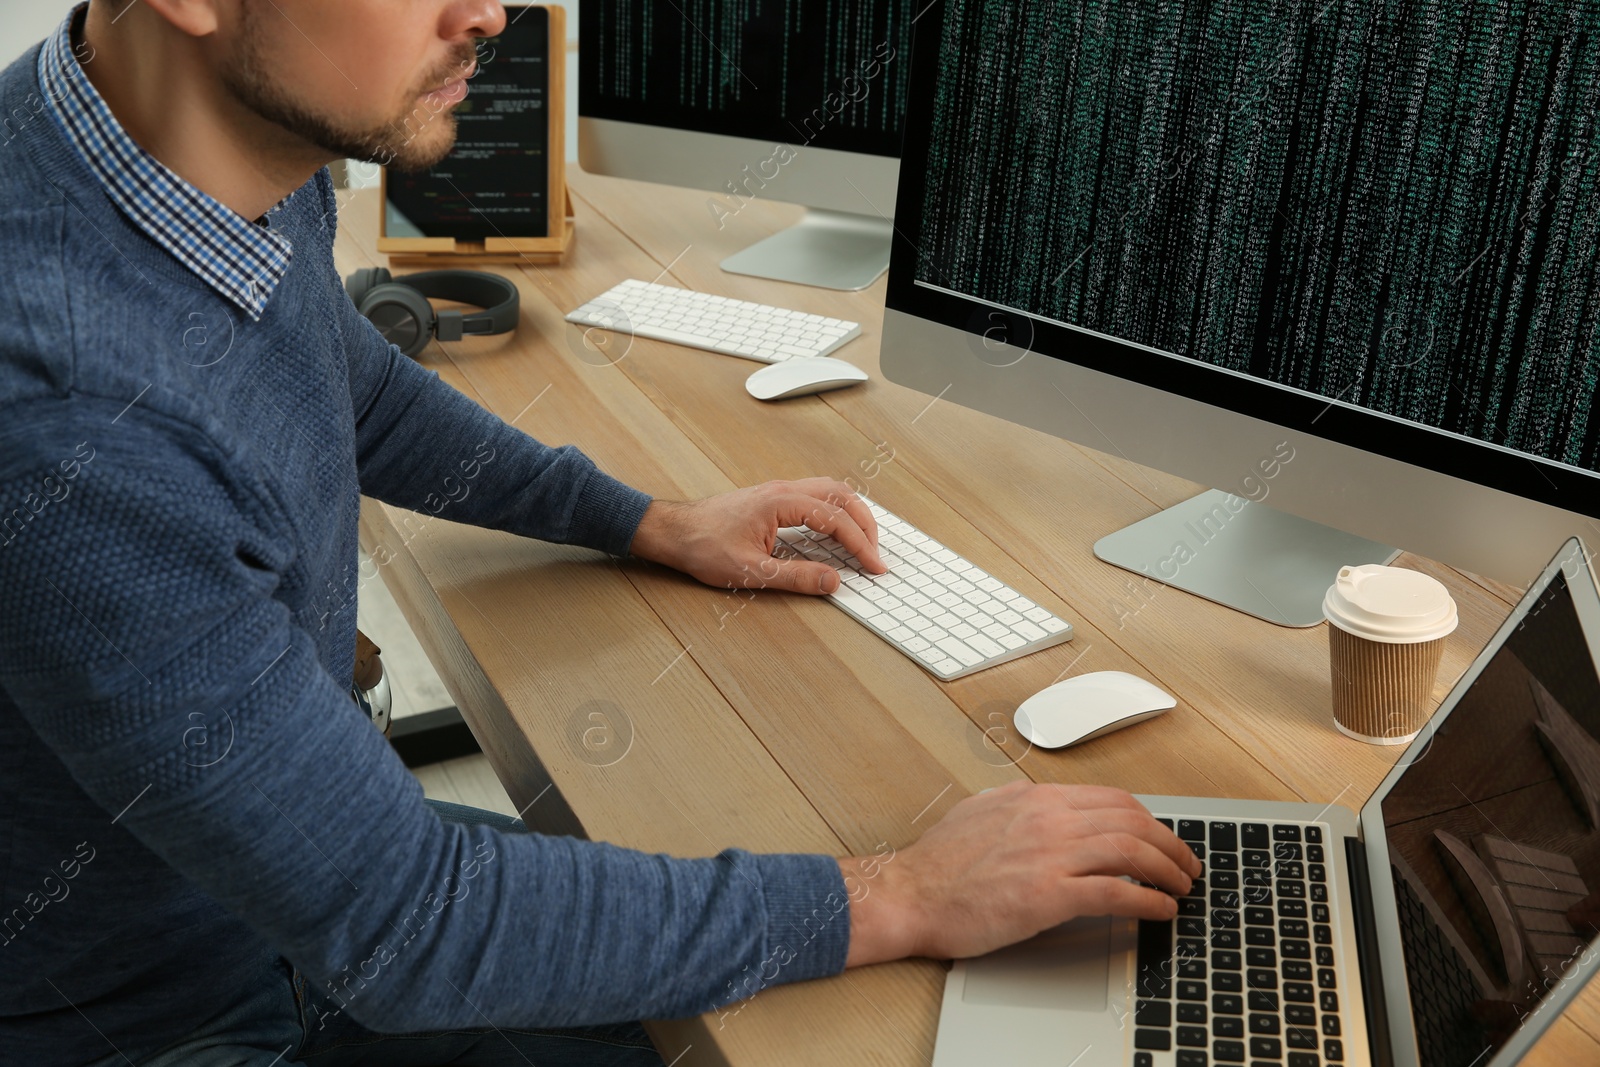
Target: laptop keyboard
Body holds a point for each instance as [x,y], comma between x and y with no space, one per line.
[1246,973]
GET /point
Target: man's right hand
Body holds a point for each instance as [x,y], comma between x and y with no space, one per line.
[1005,864]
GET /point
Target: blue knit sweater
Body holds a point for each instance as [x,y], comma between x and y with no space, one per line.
[186,789]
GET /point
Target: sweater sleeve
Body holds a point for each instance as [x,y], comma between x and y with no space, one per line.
[137,605]
[421,444]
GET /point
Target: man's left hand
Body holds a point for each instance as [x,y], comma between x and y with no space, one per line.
[727,540]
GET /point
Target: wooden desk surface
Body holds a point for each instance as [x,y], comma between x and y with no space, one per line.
[626,702]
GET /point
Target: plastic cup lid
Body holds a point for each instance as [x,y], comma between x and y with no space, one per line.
[1389,604]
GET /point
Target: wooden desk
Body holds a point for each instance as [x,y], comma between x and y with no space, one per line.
[629,703]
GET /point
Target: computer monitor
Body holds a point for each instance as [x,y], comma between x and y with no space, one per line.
[799,100]
[1342,251]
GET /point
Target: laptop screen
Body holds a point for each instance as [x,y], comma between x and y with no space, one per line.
[1493,840]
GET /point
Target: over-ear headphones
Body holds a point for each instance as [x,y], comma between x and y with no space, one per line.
[399,307]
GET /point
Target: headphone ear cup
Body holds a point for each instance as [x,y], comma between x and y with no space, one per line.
[401,314]
[363,281]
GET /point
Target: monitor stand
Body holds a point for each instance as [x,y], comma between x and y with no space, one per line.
[827,249]
[1255,559]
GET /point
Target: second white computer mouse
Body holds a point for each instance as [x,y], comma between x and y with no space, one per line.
[802,376]
[1089,706]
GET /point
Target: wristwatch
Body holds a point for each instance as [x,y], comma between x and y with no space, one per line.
[370,689]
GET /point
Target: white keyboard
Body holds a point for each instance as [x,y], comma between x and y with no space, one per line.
[934,606]
[716,323]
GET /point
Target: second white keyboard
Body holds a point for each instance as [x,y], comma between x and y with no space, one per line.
[946,614]
[715,323]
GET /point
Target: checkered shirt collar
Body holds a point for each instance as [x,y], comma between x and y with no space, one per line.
[240,260]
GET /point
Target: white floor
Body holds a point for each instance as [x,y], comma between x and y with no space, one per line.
[417,689]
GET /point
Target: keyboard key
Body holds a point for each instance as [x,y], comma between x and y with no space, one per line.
[1225,879]
[1260,937]
[1292,909]
[1258,917]
[1228,1026]
[1297,970]
[1334,1050]
[1298,1037]
[1191,1013]
[1285,832]
[1264,1024]
[1261,978]
[1303,1059]
[1261,957]
[1286,850]
[1225,961]
[1299,992]
[1191,969]
[1152,955]
[962,653]
[1319,892]
[1155,1040]
[1228,1051]
[1189,1057]
[1266,1047]
[1227,1004]
[1324,956]
[1225,939]
[1152,1013]
[1143,1059]
[1224,837]
[1314,834]
[1295,950]
[1195,1037]
[1225,861]
[1227,982]
[1294,928]
[1254,835]
[1330,1024]
[1328,1001]
[1303,1015]
[1326,979]
[1263,1001]
[1191,991]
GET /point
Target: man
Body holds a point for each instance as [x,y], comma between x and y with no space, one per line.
[177,547]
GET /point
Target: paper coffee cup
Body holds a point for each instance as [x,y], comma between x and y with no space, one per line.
[1386,631]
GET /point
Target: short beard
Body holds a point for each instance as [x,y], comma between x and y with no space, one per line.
[394,144]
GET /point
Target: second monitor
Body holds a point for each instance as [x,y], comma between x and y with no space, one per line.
[798,100]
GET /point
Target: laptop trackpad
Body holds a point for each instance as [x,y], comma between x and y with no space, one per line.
[1064,969]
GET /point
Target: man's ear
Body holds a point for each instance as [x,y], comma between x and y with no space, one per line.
[197,18]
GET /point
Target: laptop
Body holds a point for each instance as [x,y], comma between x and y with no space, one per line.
[1446,924]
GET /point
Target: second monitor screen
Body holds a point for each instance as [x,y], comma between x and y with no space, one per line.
[1389,205]
[828,73]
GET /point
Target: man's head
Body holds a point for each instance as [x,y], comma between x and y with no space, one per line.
[366,79]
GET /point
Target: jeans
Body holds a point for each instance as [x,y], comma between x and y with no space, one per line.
[268,1026]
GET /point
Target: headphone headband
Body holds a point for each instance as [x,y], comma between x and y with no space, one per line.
[495,295]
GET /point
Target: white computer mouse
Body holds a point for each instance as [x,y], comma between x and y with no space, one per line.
[802,376]
[1089,706]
